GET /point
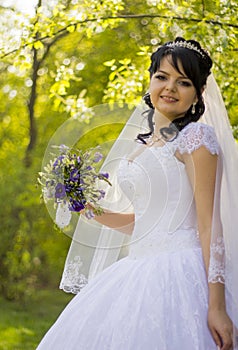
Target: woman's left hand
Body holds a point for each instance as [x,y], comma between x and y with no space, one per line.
[221,328]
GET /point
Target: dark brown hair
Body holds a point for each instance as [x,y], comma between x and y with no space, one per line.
[196,64]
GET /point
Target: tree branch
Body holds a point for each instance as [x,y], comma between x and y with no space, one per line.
[32,100]
[120,16]
[8,8]
[203,8]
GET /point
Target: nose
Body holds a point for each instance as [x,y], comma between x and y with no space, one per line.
[171,85]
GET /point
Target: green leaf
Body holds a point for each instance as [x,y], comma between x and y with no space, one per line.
[109,63]
[125,62]
[71,29]
[38,45]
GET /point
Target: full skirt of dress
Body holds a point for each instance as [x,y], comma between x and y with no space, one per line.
[158,302]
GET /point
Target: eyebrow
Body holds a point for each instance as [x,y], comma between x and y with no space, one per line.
[181,76]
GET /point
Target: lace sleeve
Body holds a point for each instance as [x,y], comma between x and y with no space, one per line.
[195,135]
[217,265]
[191,138]
[216,272]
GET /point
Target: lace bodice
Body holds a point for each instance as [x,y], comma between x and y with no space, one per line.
[158,185]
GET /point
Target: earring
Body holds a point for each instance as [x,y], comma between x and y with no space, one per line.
[147,100]
[193,108]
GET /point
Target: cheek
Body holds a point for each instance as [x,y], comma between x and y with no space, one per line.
[154,96]
[155,84]
[154,89]
[190,98]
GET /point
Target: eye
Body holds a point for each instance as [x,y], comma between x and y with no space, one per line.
[185,83]
[160,77]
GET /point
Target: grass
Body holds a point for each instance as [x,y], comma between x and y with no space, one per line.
[23,325]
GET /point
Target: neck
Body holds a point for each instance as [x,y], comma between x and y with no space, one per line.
[161,121]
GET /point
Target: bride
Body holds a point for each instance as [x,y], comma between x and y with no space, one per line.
[174,288]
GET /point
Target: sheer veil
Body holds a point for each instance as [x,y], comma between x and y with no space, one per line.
[223,262]
[94,247]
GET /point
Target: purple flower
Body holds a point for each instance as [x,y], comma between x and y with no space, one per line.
[79,191]
[97,157]
[60,190]
[106,175]
[58,161]
[76,205]
[49,183]
[101,195]
[68,187]
[74,175]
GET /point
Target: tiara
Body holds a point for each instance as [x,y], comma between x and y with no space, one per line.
[186,45]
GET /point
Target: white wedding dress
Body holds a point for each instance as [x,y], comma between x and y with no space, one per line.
[156,298]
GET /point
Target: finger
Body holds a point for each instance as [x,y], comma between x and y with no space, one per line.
[227,347]
[227,341]
[216,338]
[233,343]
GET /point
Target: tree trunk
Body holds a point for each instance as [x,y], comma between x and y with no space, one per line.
[31,105]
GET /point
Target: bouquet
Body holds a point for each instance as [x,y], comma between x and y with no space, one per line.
[70,181]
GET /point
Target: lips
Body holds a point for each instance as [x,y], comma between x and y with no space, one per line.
[169,99]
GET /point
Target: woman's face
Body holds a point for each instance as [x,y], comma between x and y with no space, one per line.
[171,92]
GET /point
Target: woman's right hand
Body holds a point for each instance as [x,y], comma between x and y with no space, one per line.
[221,328]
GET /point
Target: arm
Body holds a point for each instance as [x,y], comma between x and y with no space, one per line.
[201,169]
[123,222]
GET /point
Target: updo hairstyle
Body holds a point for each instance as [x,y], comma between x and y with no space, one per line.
[197,65]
